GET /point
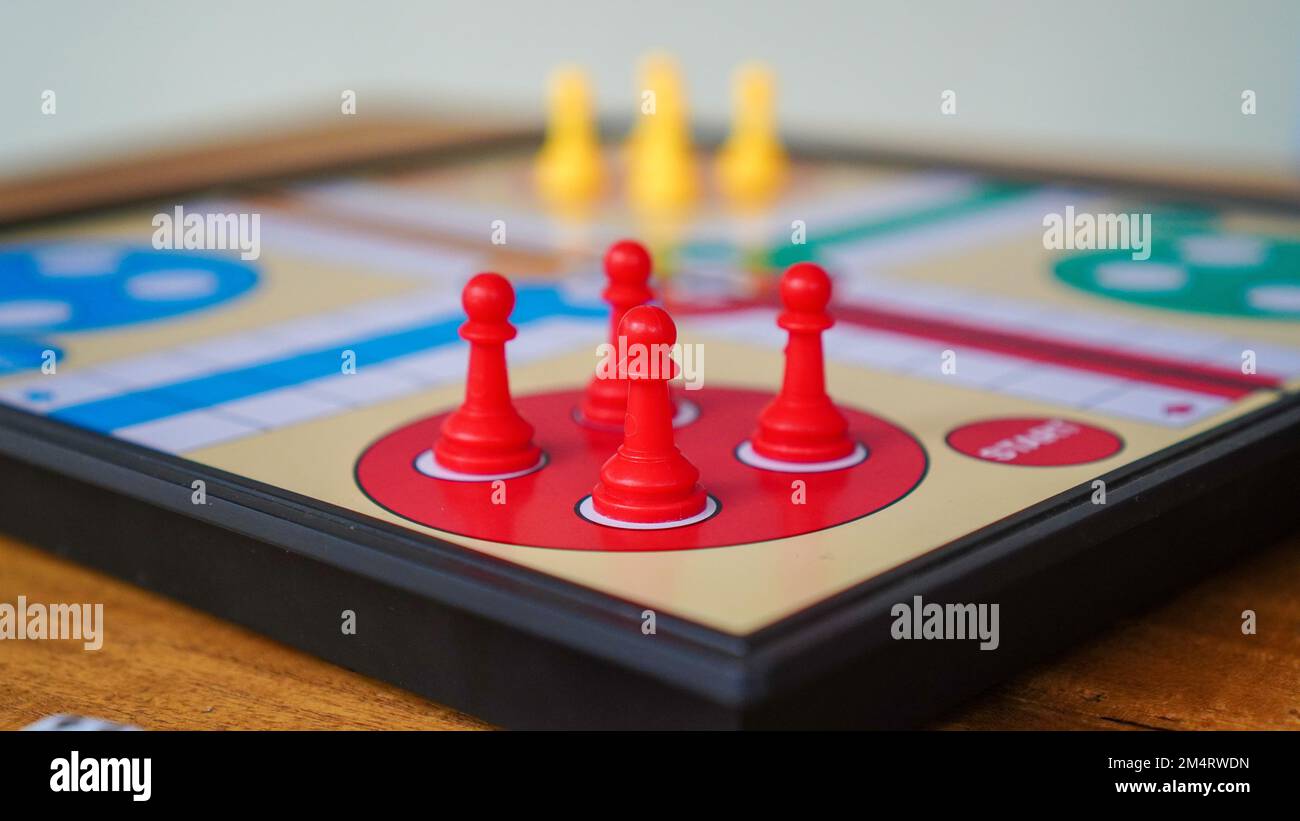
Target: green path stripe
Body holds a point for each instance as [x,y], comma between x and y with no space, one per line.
[985,196]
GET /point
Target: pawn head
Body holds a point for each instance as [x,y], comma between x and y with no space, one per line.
[488,297]
[754,88]
[627,262]
[805,288]
[648,325]
[569,87]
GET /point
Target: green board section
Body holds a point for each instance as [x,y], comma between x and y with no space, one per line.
[1196,269]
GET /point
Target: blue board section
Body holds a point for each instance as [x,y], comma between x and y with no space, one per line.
[67,287]
[21,354]
[533,303]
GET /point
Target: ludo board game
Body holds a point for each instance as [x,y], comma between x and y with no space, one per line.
[904,395]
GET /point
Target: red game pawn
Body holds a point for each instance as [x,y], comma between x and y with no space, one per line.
[486,437]
[627,271]
[648,482]
[802,425]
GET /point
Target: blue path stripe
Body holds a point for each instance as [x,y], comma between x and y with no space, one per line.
[533,303]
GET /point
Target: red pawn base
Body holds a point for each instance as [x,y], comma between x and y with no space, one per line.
[802,433]
[648,492]
[486,445]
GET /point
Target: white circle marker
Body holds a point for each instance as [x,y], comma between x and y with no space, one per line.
[687,412]
[1141,277]
[1223,250]
[78,260]
[1278,299]
[23,314]
[754,459]
[172,285]
[429,466]
[587,510]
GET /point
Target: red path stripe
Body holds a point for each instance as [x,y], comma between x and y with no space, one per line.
[1206,379]
[1198,378]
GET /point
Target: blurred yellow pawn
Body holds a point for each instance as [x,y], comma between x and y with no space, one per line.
[751,166]
[657,76]
[570,170]
[661,174]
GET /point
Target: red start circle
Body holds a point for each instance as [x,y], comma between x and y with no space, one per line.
[539,509]
[1035,441]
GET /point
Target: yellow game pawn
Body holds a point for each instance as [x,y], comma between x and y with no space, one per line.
[656,73]
[661,173]
[751,165]
[569,169]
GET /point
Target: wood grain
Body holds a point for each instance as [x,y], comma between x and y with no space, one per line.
[1183,665]
[166,666]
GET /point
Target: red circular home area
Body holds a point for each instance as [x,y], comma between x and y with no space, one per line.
[539,509]
[1035,441]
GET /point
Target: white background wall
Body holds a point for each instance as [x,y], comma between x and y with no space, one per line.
[1160,78]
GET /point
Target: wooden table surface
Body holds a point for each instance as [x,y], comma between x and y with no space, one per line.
[1185,664]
